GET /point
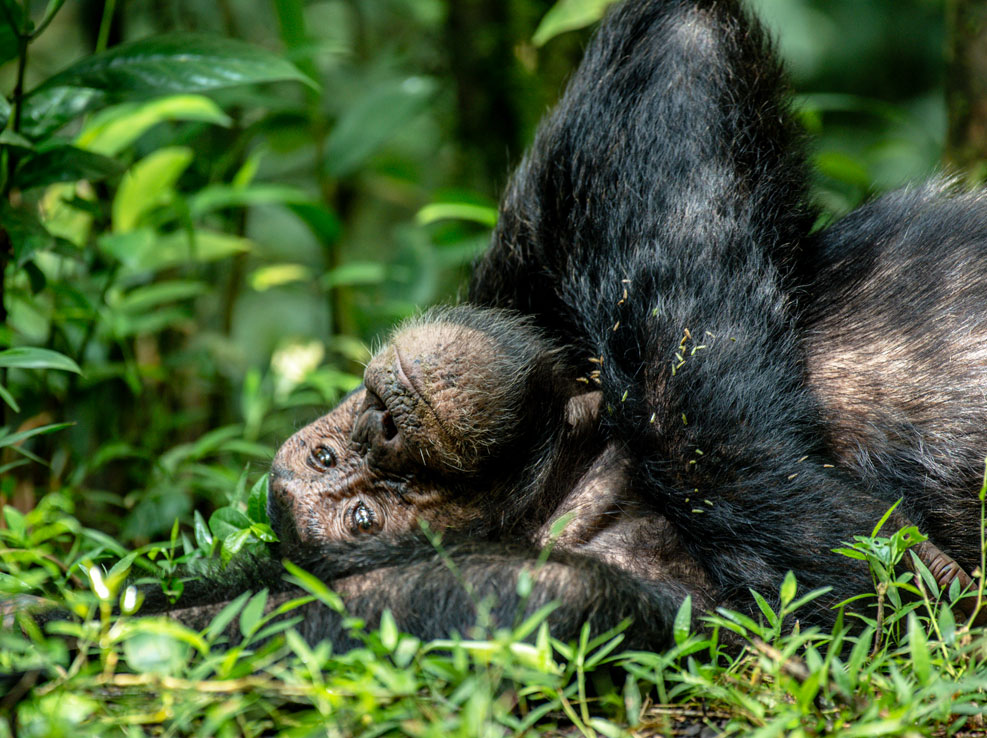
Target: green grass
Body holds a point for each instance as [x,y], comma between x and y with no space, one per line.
[914,671]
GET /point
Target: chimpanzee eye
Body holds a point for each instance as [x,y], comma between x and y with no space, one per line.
[363,518]
[321,458]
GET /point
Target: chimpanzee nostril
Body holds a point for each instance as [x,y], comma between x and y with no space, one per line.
[389,429]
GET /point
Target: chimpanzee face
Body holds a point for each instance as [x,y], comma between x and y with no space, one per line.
[448,395]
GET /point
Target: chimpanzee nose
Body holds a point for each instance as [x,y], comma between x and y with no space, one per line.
[279,508]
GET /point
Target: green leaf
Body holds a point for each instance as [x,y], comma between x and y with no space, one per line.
[483,214]
[355,273]
[257,501]
[806,598]
[203,538]
[8,32]
[843,168]
[164,626]
[263,532]
[15,438]
[225,617]
[315,586]
[788,589]
[175,63]
[859,653]
[568,15]
[372,120]
[850,553]
[227,521]
[29,357]
[203,246]
[765,609]
[884,518]
[48,110]
[947,623]
[5,109]
[232,544]
[275,275]
[323,223]
[9,399]
[63,163]
[15,521]
[152,296]
[250,618]
[107,542]
[50,12]
[918,647]
[114,129]
[147,185]
[388,631]
[8,137]
[143,250]
[682,625]
[27,234]
[155,653]
[216,197]
[923,571]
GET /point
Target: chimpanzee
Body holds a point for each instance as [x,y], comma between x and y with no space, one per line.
[896,349]
[662,374]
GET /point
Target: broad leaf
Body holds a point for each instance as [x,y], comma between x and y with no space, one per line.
[355,273]
[27,234]
[9,138]
[257,500]
[175,63]
[143,250]
[63,163]
[147,185]
[234,543]
[4,104]
[373,120]
[216,197]
[568,15]
[8,34]
[29,357]
[321,221]
[154,296]
[114,129]
[49,109]
[228,521]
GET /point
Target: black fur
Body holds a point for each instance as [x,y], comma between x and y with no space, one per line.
[896,343]
[669,170]
[658,226]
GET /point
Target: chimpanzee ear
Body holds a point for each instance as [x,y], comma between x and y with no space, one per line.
[581,411]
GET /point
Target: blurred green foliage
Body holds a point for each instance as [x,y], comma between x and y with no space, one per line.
[210,210]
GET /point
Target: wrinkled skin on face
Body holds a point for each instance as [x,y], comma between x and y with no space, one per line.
[447,397]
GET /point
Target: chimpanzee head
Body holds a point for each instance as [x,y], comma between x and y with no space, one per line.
[453,411]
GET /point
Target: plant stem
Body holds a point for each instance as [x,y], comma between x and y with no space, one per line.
[6,245]
[109,10]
